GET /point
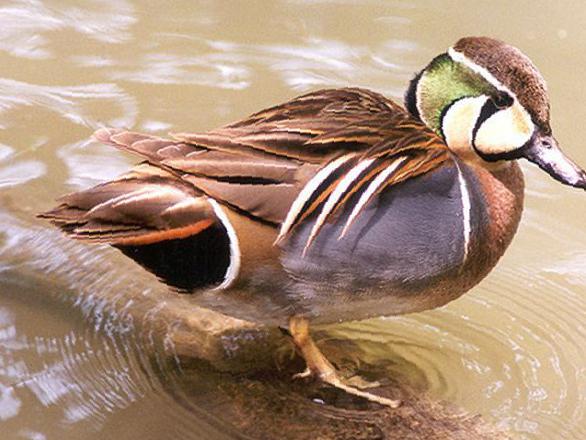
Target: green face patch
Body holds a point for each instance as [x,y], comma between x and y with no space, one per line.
[443,82]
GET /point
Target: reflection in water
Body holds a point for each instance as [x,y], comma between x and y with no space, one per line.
[78,372]
[24,24]
[17,172]
[61,366]
[164,68]
[73,365]
[88,167]
[312,64]
[77,375]
[72,103]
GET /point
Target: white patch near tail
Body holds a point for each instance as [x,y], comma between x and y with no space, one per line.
[234,267]
[185,204]
[149,192]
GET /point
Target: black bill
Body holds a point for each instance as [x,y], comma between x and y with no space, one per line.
[543,150]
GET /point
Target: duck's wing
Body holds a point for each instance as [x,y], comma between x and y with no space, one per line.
[306,157]
[145,205]
[159,220]
[310,128]
[283,163]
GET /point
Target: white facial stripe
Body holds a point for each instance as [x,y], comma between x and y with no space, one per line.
[306,193]
[234,267]
[466,207]
[334,197]
[461,58]
[504,131]
[459,121]
[367,195]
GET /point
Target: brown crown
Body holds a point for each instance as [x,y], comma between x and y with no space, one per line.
[513,69]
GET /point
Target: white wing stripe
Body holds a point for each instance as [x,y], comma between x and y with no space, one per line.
[149,192]
[366,195]
[306,193]
[335,196]
[188,203]
[118,200]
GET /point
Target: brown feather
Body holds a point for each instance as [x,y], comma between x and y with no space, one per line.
[141,207]
[257,166]
[314,128]
[171,234]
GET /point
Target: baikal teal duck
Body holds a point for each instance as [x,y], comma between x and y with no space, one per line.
[339,204]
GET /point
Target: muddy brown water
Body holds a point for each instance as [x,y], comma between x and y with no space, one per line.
[512,350]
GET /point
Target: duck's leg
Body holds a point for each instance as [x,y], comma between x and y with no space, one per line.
[319,366]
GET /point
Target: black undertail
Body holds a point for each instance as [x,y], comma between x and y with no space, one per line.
[197,261]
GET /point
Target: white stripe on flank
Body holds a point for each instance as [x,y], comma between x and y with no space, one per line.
[461,58]
[366,195]
[334,197]
[234,267]
[466,208]
[306,193]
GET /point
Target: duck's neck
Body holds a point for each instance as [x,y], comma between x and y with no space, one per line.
[504,190]
[455,124]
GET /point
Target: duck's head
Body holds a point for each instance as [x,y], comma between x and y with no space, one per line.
[489,102]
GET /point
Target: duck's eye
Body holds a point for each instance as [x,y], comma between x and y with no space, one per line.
[502,100]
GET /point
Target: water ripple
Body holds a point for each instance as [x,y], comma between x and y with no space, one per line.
[24,23]
[314,62]
[15,172]
[514,347]
[70,102]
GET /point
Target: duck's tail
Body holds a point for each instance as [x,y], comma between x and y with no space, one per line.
[152,216]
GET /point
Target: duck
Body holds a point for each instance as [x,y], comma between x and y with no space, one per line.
[340,204]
